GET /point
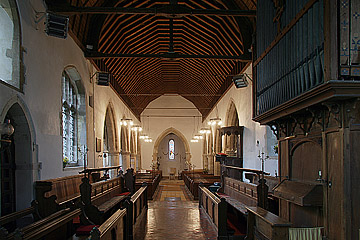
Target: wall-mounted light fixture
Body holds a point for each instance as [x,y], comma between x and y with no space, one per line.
[57,25]
[6,129]
[240,80]
[214,121]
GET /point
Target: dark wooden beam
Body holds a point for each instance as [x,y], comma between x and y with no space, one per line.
[169,11]
[99,55]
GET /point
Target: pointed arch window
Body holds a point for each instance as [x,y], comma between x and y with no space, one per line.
[69,119]
[171,149]
[73,119]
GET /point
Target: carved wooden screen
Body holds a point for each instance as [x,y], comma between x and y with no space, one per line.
[289,50]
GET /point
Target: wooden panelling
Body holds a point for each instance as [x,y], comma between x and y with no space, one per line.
[355,183]
[335,217]
[306,161]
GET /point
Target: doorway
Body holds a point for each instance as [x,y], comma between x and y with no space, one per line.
[16,164]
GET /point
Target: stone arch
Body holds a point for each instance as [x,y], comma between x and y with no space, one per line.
[177,133]
[232,119]
[23,144]
[110,138]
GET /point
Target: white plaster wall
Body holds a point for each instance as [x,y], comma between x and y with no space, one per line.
[44,59]
[159,116]
[253,132]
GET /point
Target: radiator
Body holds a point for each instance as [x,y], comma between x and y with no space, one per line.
[305,233]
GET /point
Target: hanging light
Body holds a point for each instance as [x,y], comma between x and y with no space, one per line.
[126,122]
[198,137]
[194,140]
[148,139]
[204,130]
[214,121]
[143,136]
[136,128]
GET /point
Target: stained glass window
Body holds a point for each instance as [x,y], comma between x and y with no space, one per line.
[171,149]
[69,119]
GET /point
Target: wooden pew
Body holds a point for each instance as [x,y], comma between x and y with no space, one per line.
[136,208]
[52,227]
[216,209]
[152,181]
[263,224]
[193,180]
[51,195]
[100,199]
[240,194]
[113,228]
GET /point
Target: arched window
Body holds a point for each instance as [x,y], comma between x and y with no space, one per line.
[10,70]
[171,149]
[73,119]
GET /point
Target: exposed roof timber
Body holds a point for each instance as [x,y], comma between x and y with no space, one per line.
[99,55]
[168,11]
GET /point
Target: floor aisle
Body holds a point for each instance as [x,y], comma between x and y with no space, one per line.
[172,215]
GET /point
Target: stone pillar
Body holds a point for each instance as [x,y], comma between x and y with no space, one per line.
[205,162]
[126,160]
[210,160]
[223,143]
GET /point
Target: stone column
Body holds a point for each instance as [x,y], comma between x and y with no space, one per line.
[210,160]
[126,160]
[205,162]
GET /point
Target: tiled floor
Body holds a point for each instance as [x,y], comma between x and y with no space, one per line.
[173,216]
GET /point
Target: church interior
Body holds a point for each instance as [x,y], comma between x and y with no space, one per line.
[179,119]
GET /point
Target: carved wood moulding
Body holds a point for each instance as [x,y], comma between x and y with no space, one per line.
[318,118]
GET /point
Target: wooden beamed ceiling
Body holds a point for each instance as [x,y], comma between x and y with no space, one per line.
[155,47]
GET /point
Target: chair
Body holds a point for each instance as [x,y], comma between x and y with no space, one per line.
[172,173]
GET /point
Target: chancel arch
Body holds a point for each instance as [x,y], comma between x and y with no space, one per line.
[182,156]
[20,152]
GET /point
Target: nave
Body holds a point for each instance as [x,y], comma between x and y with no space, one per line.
[173,215]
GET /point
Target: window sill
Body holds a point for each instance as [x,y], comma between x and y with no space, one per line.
[74,168]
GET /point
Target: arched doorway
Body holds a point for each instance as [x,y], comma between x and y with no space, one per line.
[181,151]
[16,164]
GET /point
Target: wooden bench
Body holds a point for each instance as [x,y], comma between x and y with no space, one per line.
[263,224]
